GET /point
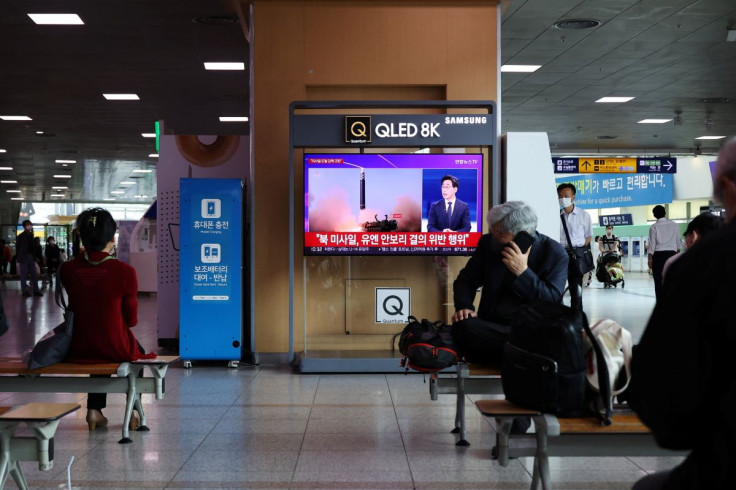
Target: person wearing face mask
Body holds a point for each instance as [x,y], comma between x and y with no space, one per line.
[609,242]
[26,260]
[580,229]
[699,227]
[509,277]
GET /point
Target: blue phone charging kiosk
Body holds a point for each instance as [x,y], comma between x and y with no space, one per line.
[210,270]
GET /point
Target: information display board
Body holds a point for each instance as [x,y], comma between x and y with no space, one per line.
[210,272]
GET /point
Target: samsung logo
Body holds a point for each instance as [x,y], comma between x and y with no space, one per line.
[466,120]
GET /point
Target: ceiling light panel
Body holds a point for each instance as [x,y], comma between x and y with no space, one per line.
[153,155]
[148,135]
[117,192]
[8,181]
[224,66]
[654,121]
[127,182]
[6,168]
[614,100]
[59,188]
[520,68]
[57,195]
[142,171]
[65,161]
[62,176]
[13,191]
[16,118]
[233,119]
[710,137]
[56,19]
[2,151]
[17,198]
[121,96]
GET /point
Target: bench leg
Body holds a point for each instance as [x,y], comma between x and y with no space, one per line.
[139,407]
[6,432]
[18,476]
[130,399]
[460,413]
[541,461]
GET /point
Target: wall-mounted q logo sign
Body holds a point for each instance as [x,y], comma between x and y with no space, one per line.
[396,306]
[358,129]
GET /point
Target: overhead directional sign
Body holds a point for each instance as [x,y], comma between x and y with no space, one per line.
[596,165]
[656,165]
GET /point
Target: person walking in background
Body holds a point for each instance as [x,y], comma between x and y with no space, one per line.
[664,242]
[53,258]
[578,224]
[26,261]
[681,369]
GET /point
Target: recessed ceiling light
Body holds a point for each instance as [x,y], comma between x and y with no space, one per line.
[614,99]
[127,182]
[57,195]
[710,137]
[224,66]
[142,171]
[17,198]
[6,168]
[148,135]
[59,188]
[8,181]
[108,198]
[141,197]
[65,161]
[233,118]
[15,118]
[62,176]
[653,121]
[577,23]
[39,132]
[520,68]
[121,96]
[2,151]
[153,155]
[56,19]
[13,191]
[117,192]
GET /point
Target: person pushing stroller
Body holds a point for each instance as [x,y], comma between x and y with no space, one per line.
[609,270]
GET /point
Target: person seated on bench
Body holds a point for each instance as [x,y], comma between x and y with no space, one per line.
[103,296]
[682,383]
[509,279]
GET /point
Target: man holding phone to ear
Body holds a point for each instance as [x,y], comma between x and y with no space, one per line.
[515,265]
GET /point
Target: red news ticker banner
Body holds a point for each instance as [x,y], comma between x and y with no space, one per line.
[390,239]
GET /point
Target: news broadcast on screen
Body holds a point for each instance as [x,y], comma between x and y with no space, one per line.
[392,204]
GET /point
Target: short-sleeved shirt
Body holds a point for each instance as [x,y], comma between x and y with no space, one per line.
[579,226]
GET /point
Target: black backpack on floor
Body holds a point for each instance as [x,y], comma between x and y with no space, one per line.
[427,346]
[544,362]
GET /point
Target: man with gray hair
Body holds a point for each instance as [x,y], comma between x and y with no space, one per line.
[682,383]
[510,277]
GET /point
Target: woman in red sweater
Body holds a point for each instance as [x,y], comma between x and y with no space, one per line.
[103,296]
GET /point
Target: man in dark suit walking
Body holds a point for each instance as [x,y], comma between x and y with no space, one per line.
[449,213]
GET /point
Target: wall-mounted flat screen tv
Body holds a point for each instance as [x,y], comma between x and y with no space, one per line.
[392,204]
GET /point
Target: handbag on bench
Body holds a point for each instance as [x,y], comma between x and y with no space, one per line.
[54,348]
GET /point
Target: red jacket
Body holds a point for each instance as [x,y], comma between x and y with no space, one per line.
[104,300]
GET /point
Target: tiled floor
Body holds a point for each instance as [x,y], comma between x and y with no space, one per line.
[267,427]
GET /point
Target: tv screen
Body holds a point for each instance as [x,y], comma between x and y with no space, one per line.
[392,204]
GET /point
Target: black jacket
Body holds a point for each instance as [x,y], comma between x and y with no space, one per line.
[544,280]
[683,384]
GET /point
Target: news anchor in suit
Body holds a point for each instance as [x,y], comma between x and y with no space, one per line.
[449,213]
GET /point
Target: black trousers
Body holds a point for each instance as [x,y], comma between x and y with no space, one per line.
[98,401]
[658,260]
[480,341]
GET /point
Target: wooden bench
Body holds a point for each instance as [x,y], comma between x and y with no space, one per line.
[127,378]
[469,379]
[42,419]
[626,436]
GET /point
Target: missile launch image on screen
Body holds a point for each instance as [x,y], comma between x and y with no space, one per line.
[364,199]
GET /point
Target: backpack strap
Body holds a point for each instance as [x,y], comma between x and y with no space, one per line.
[604,382]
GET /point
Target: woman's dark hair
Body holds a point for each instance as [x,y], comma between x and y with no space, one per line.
[96,228]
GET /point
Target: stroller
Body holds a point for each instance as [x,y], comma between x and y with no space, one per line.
[609,270]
